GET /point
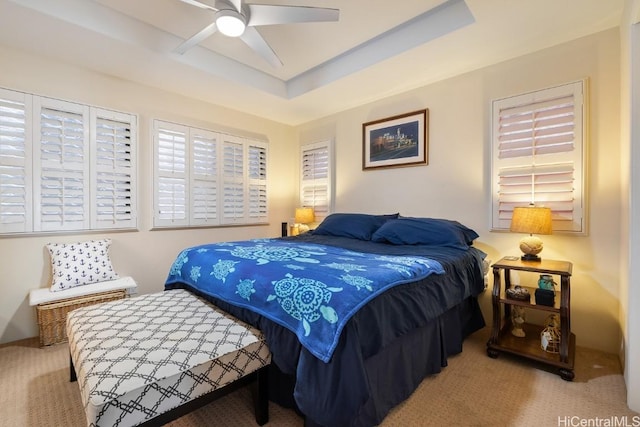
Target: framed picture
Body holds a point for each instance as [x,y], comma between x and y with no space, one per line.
[396,141]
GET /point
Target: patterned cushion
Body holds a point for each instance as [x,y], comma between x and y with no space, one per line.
[76,264]
[140,357]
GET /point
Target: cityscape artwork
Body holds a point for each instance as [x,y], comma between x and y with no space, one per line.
[395,141]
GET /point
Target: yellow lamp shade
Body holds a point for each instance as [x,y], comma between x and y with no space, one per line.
[304,215]
[531,220]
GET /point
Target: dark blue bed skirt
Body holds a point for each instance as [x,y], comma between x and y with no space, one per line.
[410,359]
[403,364]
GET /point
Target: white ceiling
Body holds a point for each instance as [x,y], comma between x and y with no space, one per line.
[376,49]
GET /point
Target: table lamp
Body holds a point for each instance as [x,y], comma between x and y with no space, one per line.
[303,217]
[531,220]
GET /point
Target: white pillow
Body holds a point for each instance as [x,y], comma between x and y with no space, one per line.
[76,264]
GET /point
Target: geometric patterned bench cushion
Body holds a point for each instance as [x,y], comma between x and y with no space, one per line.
[140,357]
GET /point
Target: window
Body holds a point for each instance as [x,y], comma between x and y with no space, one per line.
[538,155]
[206,178]
[65,166]
[316,178]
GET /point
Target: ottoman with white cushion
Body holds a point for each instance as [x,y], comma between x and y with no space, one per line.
[153,358]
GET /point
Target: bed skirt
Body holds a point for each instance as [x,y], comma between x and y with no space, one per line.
[405,363]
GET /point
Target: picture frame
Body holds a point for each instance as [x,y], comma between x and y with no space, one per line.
[396,141]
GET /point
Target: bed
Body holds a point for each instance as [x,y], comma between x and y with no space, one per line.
[356,313]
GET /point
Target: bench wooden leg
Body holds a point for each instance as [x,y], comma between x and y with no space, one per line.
[261,397]
[72,371]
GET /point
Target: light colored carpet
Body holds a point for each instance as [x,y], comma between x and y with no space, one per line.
[474,390]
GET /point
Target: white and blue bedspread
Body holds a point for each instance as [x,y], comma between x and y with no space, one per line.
[311,289]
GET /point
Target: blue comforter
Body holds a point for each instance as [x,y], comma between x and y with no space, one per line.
[311,289]
[345,391]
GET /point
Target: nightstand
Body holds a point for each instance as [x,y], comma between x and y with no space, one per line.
[529,346]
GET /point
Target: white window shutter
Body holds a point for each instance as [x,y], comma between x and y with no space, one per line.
[538,155]
[233,194]
[15,162]
[61,166]
[113,195]
[316,178]
[257,182]
[204,177]
[207,178]
[64,166]
[171,183]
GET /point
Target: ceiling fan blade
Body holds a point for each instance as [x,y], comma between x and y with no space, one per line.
[268,14]
[237,4]
[202,4]
[254,40]
[196,38]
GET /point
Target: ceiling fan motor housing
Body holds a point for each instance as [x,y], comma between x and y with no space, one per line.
[230,22]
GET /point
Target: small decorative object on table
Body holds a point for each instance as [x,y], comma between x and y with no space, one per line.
[546,282]
[517,320]
[550,335]
[545,294]
[519,293]
[545,297]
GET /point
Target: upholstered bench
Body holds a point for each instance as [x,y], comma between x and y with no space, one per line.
[153,358]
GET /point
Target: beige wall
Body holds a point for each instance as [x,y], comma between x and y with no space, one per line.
[146,255]
[456,183]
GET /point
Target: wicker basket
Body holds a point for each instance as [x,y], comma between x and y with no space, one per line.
[52,317]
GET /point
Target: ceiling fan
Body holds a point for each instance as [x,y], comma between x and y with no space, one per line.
[234,18]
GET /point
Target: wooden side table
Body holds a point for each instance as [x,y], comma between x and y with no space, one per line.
[529,346]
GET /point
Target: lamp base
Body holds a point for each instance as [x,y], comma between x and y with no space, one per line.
[530,257]
[531,246]
[303,228]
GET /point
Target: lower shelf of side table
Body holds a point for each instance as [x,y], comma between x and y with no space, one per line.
[529,347]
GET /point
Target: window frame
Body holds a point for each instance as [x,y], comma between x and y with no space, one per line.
[229,185]
[321,211]
[548,172]
[16,164]
[40,163]
[126,153]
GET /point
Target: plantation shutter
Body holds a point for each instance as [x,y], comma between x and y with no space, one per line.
[113,190]
[64,166]
[232,180]
[315,186]
[61,166]
[204,177]
[538,155]
[257,182]
[171,197]
[15,162]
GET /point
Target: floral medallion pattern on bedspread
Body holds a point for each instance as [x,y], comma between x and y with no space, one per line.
[310,289]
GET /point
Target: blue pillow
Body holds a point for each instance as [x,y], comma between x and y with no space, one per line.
[354,225]
[425,231]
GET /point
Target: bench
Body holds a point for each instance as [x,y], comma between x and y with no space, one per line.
[52,307]
[153,358]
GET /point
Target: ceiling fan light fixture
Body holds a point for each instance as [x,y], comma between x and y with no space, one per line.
[230,23]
